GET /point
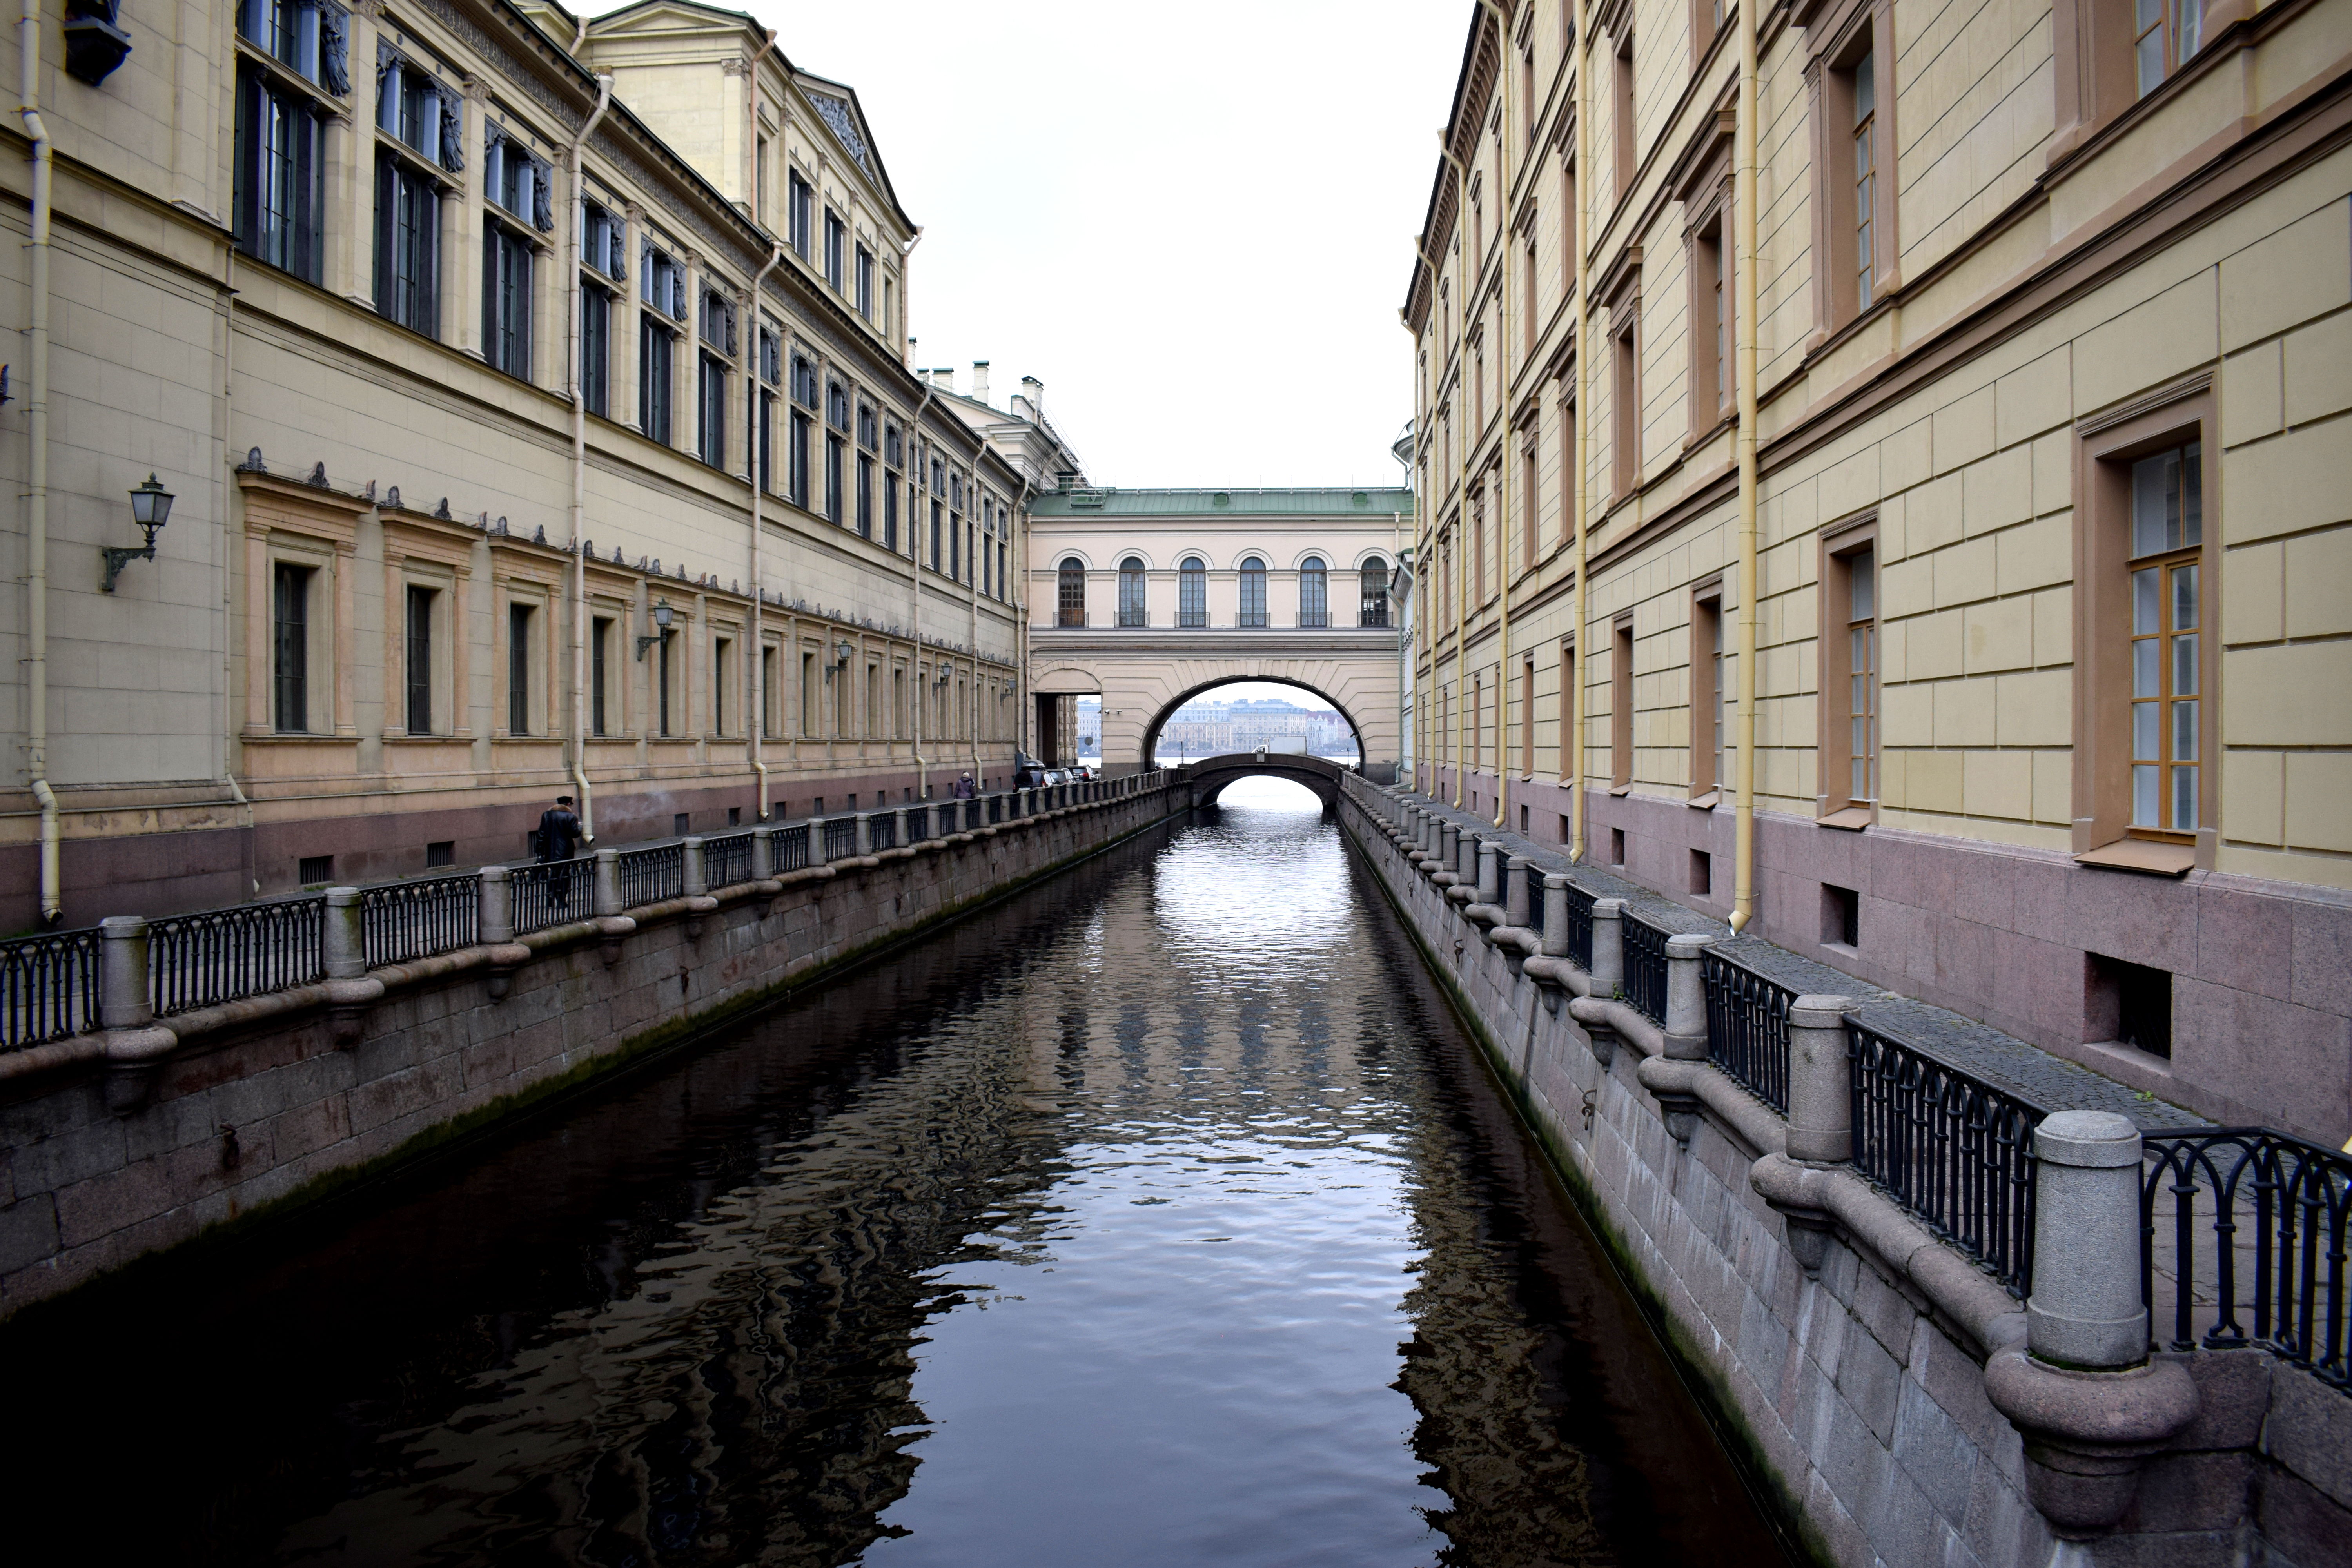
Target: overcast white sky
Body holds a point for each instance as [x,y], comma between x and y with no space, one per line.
[1192,223]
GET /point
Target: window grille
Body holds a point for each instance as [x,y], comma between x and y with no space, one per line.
[1253,606]
[1072,593]
[1374,607]
[1132,611]
[1193,593]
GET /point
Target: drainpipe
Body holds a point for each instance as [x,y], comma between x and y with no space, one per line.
[1460,466]
[1582,477]
[1743,204]
[579,457]
[1018,546]
[915,448]
[1502,467]
[37,488]
[757,729]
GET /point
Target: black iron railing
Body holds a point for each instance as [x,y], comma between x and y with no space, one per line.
[882,831]
[995,809]
[918,824]
[1535,879]
[727,861]
[1580,928]
[48,987]
[2255,1252]
[1646,968]
[1748,1028]
[552,895]
[652,876]
[1954,1152]
[840,837]
[791,848]
[408,920]
[213,956]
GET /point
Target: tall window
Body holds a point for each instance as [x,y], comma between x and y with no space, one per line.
[1253,606]
[506,300]
[2161,42]
[519,619]
[1620,130]
[837,448]
[893,456]
[596,349]
[423,121]
[2167,532]
[291,636]
[600,673]
[281,175]
[1706,694]
[799,210]
[1865,176]
[1861,676]
[1132,611]
[1313,594]
[656,374]
[722,684]
[1568,764]
[865,496]
[420,660]
[801,429]
[1071,605]
[835,235]
[865,282]
[1625,433]
[1373,606]
[662,684]
[1530,504]
[1621,706]
[1710,383]
[1848,676]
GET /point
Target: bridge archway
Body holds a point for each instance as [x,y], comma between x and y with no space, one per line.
[1207,779]
[1168,709]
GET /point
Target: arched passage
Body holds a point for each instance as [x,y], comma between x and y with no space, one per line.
[1207,779]
[1168,709]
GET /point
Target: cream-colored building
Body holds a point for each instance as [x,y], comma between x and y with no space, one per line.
[2053,584]
[1152,597]
[324,272]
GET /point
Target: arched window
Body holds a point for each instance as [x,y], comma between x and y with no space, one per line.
[1131,610]
[1252,593]
[1073,593]
[1313,594]
[1193,593]
[1375,607]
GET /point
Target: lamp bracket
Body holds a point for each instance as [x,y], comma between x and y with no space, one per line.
[117,556]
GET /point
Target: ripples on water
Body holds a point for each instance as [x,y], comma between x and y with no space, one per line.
[1162,1216]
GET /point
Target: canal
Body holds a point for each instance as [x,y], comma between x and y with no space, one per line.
[1164,1216]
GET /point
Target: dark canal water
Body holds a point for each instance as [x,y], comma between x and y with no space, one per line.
[1163,1216]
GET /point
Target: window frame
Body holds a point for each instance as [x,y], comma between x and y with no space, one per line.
[1706,686]
[1839,35]
[657,378]
[1070,591]
[1834,802]
[1252,576]
[262,79]
[1621,659]
[1193,594]
[1313,594]
[1134,593]
[1372,594]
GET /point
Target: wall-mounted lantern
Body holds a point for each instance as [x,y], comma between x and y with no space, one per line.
[150,508]
[662,616]
[95,44]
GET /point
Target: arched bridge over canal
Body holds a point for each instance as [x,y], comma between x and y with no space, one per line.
[1209,775]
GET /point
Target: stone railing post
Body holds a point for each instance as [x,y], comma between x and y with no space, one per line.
[1466,848]
[1449,850]
[494,914]
[1490,870]
[1608,969]
[1515,892]
[608,882]
[1821,1106]
[345,939]
[865,840]
[2086,1310]
[125,1000]
[763,853]
[1555,930]
[696,883]
[1687,997]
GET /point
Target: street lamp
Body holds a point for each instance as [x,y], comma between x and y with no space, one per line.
[663,616]
[150,508]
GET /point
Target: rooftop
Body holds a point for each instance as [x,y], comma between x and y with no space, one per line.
[1304,502]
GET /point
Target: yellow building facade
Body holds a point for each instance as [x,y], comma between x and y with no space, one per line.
[2053,611]
[333,273]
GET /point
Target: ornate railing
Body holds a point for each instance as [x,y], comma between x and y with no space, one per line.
[790,846]
[1535,877]
[2255,1250]
[554,894]
[840,837]
[972,814]
[1954,1152]
[882,830]
[727,861]
[48,987]
[213,956]
[995,809]
[1580,928]
[652,876]
[408,920]
[1748,1028]
[918,824]
[1645,968]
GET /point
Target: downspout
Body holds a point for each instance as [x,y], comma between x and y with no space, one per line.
[1461,467]
[579,457]
[971,588]
[1503,447]
[37,486]
[922,466]
[1016,549]
[228,584]
[1574,771]
[758,728]
[1743,200]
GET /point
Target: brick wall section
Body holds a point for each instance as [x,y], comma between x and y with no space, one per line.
[1862,1410]
[277,1115]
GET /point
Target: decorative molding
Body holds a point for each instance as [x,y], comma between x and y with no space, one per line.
[2193,384]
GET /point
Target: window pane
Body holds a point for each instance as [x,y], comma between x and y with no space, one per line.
[2184,598]
[2184,666]
[2146,717]
[2184,732]
[2151,60]
[1862,570]
[2147,668]
[2146,786]
[2151,489]
[2184,800]
[2192,495]
[2145,589]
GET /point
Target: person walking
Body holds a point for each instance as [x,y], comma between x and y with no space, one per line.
[559,840]
[964,788]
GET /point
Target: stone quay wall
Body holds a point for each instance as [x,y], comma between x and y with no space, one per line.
[1901,1406]
[109,1155]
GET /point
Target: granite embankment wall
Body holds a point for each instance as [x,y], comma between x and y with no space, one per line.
[102,1163]
[1853,1356]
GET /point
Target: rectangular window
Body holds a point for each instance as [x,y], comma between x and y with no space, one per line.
[711,411]
[808,694]
[865,496]
[833,236]
[2165,35]
[835,451]
[955,548]
[280,174]
[290,637]
[1854,208]
[722,684]
[797,459]
[662,686]
[408,237]
[1710,385]
[1527,719]
[596,350]
[519,620]
[1706,694]
[600,679]
[506,300]
[865,282]
[1569,767]
[420,660]
[1620,708]
[1625,433]
[891,484]
[1848,676]
[656,374]
[771,699]
[799,210]
[1866,178]
[1531,503]
[1620,131]
[2167,544]
[768,443]
[939,543]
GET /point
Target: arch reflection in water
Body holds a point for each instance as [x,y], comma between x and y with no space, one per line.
[1161,1218]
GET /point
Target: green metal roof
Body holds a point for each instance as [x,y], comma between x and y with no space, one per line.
[1306,502]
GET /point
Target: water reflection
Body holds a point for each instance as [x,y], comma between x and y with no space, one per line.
[1160,1218]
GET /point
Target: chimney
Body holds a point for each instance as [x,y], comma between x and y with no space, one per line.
[980,380]
[1035,391]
